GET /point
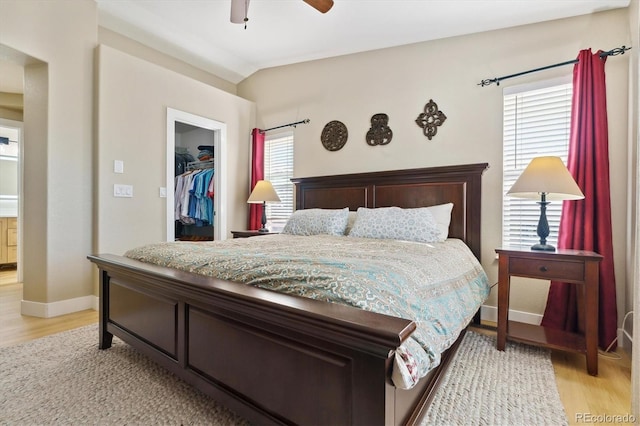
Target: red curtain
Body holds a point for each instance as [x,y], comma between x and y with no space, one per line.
[257,173]
[586,224]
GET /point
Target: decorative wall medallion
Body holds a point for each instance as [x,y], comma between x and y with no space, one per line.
[334,135]
[430,119]
[379,133]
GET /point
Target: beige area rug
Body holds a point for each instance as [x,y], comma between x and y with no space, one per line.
[64,379]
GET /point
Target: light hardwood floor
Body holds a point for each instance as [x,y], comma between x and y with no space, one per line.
[16,328]
[608,394]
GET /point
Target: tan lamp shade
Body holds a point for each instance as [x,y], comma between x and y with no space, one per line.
[263,192]
[549,176]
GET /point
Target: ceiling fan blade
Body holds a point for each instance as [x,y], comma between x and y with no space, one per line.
[320,5]
[239,10]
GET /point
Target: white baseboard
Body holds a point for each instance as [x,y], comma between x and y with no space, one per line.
[490,313]
[62,307]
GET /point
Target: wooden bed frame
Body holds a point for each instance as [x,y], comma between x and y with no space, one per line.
[279,359]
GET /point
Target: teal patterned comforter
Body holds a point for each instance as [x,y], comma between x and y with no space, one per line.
[439,286]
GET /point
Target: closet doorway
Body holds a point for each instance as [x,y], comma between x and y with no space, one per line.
[195,145]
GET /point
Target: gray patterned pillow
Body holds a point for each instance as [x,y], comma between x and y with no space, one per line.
[317,221]
[397,224]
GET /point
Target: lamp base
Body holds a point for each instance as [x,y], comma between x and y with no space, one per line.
[263,229]
[543,226]
[543,247]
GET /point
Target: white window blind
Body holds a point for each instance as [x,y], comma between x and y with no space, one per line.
[278,169]
[536,123]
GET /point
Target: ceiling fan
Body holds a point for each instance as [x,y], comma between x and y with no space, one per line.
[240,9]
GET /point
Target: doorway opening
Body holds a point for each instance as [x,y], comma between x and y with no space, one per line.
[195,144]
[10,189]
[26,72]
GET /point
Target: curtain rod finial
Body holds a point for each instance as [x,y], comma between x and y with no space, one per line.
[489,82]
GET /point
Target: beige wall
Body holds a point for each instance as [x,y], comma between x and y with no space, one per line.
[125,44]
[400,81]
[10,114]
[133,97]
[57,136]
[8,177]
[11,104]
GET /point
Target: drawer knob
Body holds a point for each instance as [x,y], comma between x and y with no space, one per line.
[543,269]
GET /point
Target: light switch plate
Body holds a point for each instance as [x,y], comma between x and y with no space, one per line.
[123,191]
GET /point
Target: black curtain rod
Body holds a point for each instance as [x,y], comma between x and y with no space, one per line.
[497,80]
[305,121]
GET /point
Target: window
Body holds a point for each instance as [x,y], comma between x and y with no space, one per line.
[278,169]
[537,122]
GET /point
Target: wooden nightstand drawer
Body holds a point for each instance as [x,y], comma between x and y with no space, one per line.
[541,268]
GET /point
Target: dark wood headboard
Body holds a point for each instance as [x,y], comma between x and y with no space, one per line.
[460,184]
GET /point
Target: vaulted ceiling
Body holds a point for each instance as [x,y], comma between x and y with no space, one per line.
[281,32]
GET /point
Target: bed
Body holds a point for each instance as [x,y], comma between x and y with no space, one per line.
[318,362]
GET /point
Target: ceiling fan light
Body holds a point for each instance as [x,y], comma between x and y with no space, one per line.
[239,10]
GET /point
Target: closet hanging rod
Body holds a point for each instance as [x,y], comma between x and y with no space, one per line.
[206,164]
[497,80]
[305,121]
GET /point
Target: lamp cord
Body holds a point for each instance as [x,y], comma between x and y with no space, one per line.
[613,355]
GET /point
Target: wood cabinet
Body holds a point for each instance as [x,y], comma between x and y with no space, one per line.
[8,240]
[572,266]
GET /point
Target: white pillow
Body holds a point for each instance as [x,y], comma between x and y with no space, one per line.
[317,221]
[397,224]
[442,214]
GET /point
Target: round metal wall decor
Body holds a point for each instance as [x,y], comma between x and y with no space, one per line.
[334,135]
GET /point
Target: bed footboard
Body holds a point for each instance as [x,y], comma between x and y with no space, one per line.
[272,358]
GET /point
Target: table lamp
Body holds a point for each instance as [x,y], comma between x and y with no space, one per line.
[263,192]
[546,178]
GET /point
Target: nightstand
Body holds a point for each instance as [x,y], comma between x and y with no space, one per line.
[572,266]
[247,234]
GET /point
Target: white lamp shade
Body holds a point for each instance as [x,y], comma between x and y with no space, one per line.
[263,192]
[546,175]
